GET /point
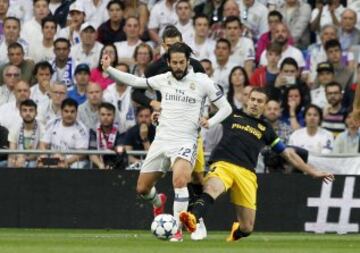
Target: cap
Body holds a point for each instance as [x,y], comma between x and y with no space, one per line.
[86,25]
[76,6]
[325,66]
[82,67]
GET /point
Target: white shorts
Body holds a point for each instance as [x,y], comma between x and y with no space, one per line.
[162,155]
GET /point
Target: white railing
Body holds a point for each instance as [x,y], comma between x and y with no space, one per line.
[336,163]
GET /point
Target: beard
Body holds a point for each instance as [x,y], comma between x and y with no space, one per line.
[28,121]
[282,41]
[179,74]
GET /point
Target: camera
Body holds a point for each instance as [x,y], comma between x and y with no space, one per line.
[290,80]
[50,161]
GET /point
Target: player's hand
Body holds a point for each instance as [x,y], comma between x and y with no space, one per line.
[105,62]
[324,176]
[204,123]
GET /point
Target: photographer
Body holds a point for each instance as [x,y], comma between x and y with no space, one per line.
[289,76]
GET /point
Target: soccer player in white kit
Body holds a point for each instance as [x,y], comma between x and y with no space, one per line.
[183,96]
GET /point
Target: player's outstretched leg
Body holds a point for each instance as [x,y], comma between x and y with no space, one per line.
[146,189]
[181,176]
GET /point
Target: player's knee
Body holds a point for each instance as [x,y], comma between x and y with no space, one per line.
[212,190]
[142,189]
[180,182]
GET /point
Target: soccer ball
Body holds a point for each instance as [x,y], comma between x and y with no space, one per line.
[164,226]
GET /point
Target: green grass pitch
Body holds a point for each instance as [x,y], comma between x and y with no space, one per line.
[112,241]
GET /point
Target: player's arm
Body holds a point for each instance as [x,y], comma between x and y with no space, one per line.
[224,110]
[295,160]
[216,96]
[126,78]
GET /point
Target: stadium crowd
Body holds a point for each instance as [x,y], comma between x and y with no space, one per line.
[55,95]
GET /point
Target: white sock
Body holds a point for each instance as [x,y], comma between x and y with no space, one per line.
[152,197]
[181,202]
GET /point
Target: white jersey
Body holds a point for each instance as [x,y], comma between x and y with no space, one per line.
[181,104]
[125,111]
[63,138]
[322,142]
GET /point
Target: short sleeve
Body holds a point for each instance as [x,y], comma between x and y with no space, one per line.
[46,138]
[83,138]
[13,135]
[154,22]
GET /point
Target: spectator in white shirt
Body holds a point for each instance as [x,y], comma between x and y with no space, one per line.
[313,137]
[11,76]
[88,50]
[184,24]
[11,35]
[162,14]
[125,49]
[51,110]
[40,92]
[25,136]
[22,9]
[4,7]
[119,95]
[202,46]
[44,51]
[297,16]
[10,114]
[66,133]
[254,17]
[325,75]
[325,14]
[63,65]
[31,30]
[95,11]
[77,18]
[281,36]
[349,140]
[222,64]
[242,49]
